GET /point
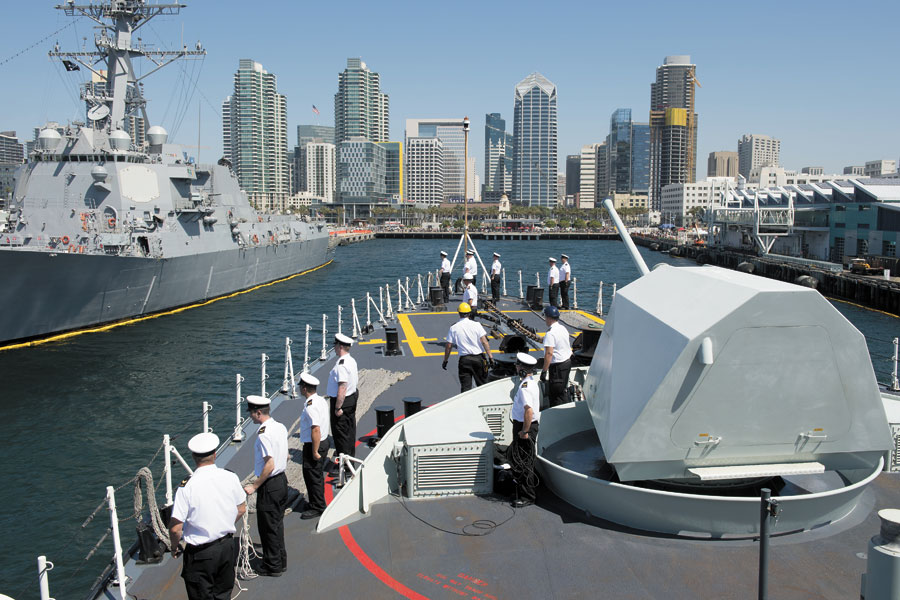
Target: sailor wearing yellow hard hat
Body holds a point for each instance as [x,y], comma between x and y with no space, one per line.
[471,342]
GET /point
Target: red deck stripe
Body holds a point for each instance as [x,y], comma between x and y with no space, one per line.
[366,560]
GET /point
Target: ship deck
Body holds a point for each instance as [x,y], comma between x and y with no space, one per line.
[419,549]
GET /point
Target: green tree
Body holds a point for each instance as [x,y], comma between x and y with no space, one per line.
[564,223]
[445,224]
[458,223]
[579,223]
[550,223]
[474,224]
[594,224]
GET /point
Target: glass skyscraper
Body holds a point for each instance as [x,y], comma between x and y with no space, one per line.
[535,132]
[628,154]
[453,139]
[361,110]
[498,155]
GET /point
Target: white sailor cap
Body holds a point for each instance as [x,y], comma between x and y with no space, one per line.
[469,253]
[565,256]
[443,253]
[552,259]
[497,254]
[204,443]
[526,359]
[258,401]
[340,338]
[309,379]
[467,276]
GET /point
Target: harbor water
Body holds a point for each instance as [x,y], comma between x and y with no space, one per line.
[88,412]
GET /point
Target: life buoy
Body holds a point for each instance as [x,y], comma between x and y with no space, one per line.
[255,239]
[65,240]
[112,222]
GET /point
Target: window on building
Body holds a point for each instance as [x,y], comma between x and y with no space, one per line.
[888,248]
[837,250]
[862,247]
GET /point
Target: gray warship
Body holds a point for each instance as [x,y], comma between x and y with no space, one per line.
[103,228]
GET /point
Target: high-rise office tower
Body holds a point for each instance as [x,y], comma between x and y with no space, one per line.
[393,170]
[627,155]
[425,170]
[307,134]
[452,136]
[592,174]
[535,133]
[314,133]
[320,170]
[757,151]
[722,164]
[361,110]
[255,136]
[673,126]
[498,155]
[573,174]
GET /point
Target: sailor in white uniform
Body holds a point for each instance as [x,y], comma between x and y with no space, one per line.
[557,357]
[204,514]
[496,269]
[445,276]
[270,452]
[342,393]
[565,280]
[471,343]
[315,426]
[471,267]
[526,418]
[553,281]
[470,293]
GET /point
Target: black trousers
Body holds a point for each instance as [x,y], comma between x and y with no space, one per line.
[558,377]
[564,292]
[445,283]
[552,292]
[208,570]
[495,288]
[314,475]
[271,500]
[343,428]
[471,367]
[521,461]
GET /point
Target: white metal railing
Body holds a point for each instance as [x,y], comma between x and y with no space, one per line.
[263,376]
[117,541]
[44,567]
[238,434]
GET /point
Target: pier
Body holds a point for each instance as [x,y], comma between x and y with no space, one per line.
[867,290]
[501,235]
[352,236]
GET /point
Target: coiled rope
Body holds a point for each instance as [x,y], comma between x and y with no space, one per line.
[145,476]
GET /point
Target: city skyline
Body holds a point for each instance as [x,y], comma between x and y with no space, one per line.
[448,82]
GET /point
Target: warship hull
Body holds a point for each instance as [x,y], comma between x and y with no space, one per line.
[47,293]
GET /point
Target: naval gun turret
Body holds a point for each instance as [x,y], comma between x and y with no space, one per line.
[708,374]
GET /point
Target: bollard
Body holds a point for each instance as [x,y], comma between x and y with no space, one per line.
[411,405]
[384,420]
[882,578]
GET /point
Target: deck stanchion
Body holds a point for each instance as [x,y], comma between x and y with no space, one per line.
[599,310]
[368,312]
[537,279]
[381,301]
[504,281]
[575,293]
[324,354]
[167,461]
[206,409]
[289,382]
[613,294]
[117,541]
[238,435]
[521,292]
[263,376]
[306,349]
[895,383]
[340,319]
[44,566]
[355,333]
[767,508]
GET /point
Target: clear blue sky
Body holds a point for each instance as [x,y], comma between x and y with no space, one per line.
[819,76]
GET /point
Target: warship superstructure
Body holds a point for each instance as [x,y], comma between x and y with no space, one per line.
[103,227]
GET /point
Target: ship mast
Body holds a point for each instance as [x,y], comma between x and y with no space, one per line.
[120,97]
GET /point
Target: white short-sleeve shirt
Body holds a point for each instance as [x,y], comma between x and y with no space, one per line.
[207,504]
[528,394]
[565,272]
[466,334]
[445,265]
[470,295]
[315,414]
[344,371]
[271,440]
[496,267]
[471,267]
[552,276]
[558,338]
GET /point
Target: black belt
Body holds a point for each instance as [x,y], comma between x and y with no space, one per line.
[349,399]
[199,547]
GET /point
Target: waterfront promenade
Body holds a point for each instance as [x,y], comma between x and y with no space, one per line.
[501,235]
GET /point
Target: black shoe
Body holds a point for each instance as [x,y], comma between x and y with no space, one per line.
[521,503]
[310,513]
[264,571]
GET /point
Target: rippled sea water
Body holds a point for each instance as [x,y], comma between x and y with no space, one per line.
[86,413]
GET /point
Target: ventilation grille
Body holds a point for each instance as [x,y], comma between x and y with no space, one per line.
[443,470]
[497,419]
[894,463]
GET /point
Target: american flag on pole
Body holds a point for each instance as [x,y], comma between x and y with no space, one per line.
[315,110]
